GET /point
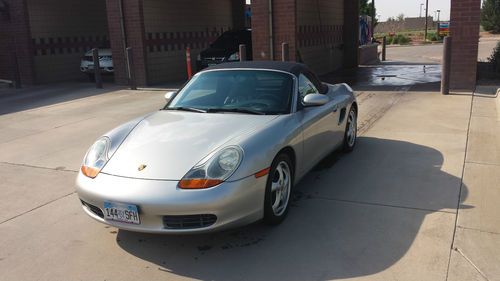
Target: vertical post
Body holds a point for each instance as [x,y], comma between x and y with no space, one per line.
[384,48]
[446,66]
[97,68]
[426,19]
[285,52]
[373,20]
[131,68]
[243,52]
[17,75]
[188,62]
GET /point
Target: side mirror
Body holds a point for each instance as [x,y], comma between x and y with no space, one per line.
[315,100]
[169,96]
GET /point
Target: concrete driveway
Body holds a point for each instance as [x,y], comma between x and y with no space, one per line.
[384,212]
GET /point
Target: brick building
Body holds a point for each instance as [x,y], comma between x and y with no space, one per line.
[46,38]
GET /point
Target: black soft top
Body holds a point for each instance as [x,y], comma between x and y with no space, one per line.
[290,67]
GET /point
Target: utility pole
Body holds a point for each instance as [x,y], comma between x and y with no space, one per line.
[421,9]
[426,17]
[439,13]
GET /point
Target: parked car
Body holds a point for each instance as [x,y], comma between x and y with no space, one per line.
[226,150]
[225,49]
[105,62]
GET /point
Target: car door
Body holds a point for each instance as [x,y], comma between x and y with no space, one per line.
[318,125]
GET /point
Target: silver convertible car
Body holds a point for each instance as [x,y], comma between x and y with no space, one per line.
[226,150]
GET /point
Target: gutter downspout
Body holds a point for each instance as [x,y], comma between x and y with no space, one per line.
[271,35]
[124,36]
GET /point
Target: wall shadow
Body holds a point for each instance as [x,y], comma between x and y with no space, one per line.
[15,100]
[353,215]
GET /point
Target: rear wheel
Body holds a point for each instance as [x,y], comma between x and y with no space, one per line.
[351,130]
[278,190]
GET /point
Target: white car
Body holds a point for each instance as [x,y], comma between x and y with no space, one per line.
[105,62]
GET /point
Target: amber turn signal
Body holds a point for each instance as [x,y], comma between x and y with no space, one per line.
[90,172]
[198,183]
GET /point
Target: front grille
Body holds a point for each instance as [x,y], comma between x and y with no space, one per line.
[93,209]
[188,221]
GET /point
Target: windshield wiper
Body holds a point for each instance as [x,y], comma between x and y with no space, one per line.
[191,109]
[238,110]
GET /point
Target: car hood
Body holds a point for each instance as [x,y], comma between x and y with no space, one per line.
[102,52]
[213,52]
[170,143]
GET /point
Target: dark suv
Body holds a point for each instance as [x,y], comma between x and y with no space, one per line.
[225,49]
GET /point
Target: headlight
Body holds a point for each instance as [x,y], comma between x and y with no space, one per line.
[214,171]
[235,56]
[96,158]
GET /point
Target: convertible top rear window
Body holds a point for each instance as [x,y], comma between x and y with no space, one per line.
[267,92]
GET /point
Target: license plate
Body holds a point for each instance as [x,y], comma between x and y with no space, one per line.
[121,212]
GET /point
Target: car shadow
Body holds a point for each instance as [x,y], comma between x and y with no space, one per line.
[353,215]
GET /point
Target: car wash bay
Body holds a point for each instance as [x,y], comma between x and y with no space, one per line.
[45,39]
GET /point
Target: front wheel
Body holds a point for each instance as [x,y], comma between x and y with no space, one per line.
[278,190]
[351,130]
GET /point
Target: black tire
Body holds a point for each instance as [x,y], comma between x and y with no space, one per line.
[270,216]
[349,144]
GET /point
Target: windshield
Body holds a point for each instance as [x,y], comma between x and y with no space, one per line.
[244,91]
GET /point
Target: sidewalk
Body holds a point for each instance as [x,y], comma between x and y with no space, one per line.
[476,254]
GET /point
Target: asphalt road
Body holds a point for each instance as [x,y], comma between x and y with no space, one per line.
[387,211]
[433,53]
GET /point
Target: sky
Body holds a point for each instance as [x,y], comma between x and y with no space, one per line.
[411,8]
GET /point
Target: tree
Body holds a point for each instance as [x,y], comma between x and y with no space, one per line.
[490,16]
[366,9]
[401,17]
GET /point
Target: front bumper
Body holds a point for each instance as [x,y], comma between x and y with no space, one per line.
[233,203]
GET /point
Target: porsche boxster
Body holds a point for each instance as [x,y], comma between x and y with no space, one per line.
[226,150]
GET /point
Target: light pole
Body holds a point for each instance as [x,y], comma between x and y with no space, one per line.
[426,17]
[439,12]
[421,9]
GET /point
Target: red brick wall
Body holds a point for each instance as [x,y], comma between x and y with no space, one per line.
[135,37]
[284,28]
[15,38]
[320,34]
[464,29]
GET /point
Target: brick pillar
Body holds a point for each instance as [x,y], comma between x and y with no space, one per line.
[464,29]
[351,34]
[284,28]
[134,37]
[15,39]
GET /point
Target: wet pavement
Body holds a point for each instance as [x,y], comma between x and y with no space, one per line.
[388,76]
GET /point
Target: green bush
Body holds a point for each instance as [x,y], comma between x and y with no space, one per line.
[403,40]
[433,37]
[494,59]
